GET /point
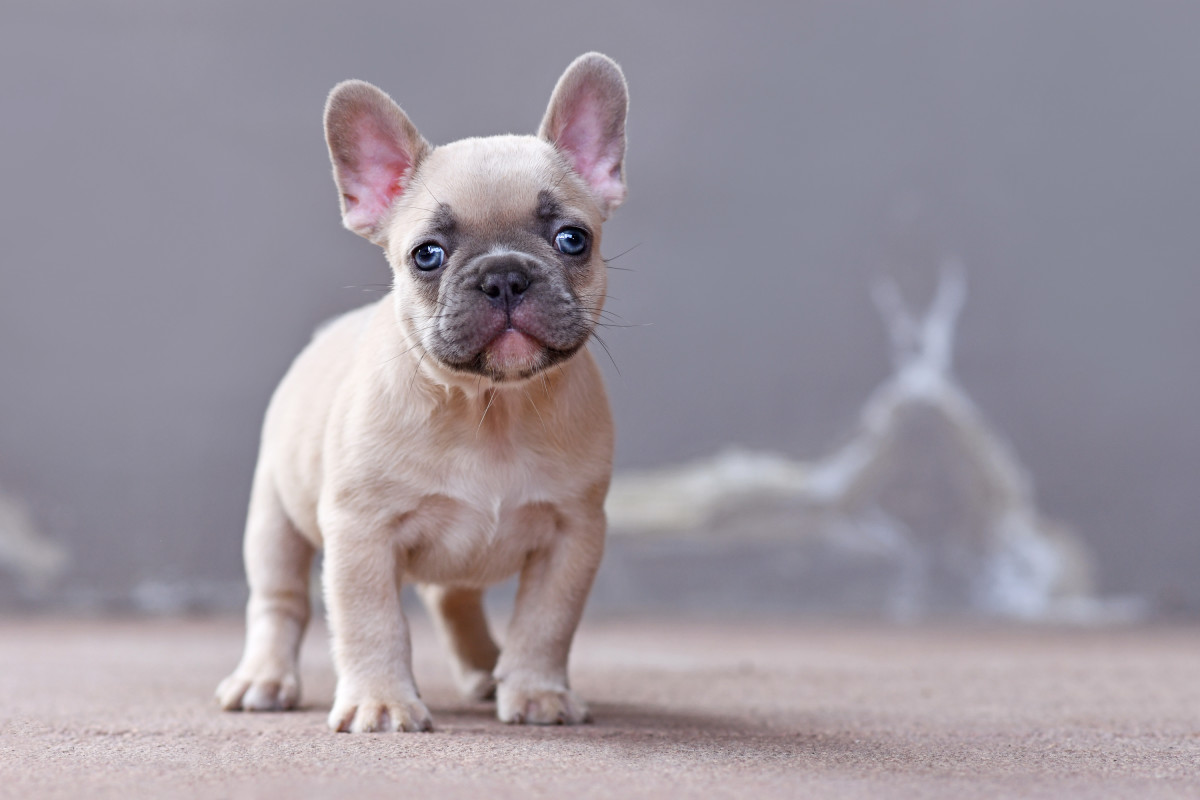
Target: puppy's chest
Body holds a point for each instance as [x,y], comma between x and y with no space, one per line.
[478,515]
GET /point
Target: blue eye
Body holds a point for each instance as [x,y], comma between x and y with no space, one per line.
[429,257]
[571,241]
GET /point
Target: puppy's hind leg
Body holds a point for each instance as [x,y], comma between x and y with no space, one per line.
[462,626]
[278,565]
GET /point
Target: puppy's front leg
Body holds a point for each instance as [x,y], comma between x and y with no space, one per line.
[371,648]
[531,676]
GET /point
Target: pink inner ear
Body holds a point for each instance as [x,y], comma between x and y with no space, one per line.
[592,151]
[376,177]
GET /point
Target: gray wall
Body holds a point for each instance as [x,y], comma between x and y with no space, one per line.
[169,237]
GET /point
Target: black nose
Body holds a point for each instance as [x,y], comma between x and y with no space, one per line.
[505,286]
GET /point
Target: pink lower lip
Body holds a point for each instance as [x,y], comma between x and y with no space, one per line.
[513,349]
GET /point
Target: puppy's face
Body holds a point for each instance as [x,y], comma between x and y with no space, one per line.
[494,242]
[496,252]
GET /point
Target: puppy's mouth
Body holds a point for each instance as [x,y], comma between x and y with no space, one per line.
[514,355]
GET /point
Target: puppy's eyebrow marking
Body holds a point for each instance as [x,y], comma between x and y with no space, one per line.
[548,206]
[443,220]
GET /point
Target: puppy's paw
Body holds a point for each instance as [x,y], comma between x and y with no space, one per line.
[269,691]
[367,714]
[477,685]
[526,703]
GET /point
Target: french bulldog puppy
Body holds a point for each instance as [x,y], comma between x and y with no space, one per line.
[457,431]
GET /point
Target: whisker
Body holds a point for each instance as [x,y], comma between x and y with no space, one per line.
[430,211]
[535,410]
[411,335]
[622,253]
[370,287]
[401,353]
[601,342]
[486,408]
[599,310]
[426,185]
[611,317]
[417,369]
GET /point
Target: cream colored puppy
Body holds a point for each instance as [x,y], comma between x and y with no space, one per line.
[457,431]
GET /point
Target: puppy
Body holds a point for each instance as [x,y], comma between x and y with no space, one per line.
[457,431]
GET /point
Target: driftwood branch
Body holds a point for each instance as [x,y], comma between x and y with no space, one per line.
[989,537]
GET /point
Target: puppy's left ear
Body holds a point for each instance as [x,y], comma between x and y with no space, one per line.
[586,122]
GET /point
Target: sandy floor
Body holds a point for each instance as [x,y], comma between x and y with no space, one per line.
[122,709]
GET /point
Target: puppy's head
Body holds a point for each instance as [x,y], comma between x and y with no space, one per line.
[494,242]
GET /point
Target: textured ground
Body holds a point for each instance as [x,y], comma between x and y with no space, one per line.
[122,709]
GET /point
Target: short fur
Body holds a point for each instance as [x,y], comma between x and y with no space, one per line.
[453,433]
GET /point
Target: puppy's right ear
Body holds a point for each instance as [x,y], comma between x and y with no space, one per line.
[374,149]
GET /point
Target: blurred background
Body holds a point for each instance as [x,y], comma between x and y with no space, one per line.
[798,430]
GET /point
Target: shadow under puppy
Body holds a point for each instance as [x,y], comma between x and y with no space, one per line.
[457,431]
